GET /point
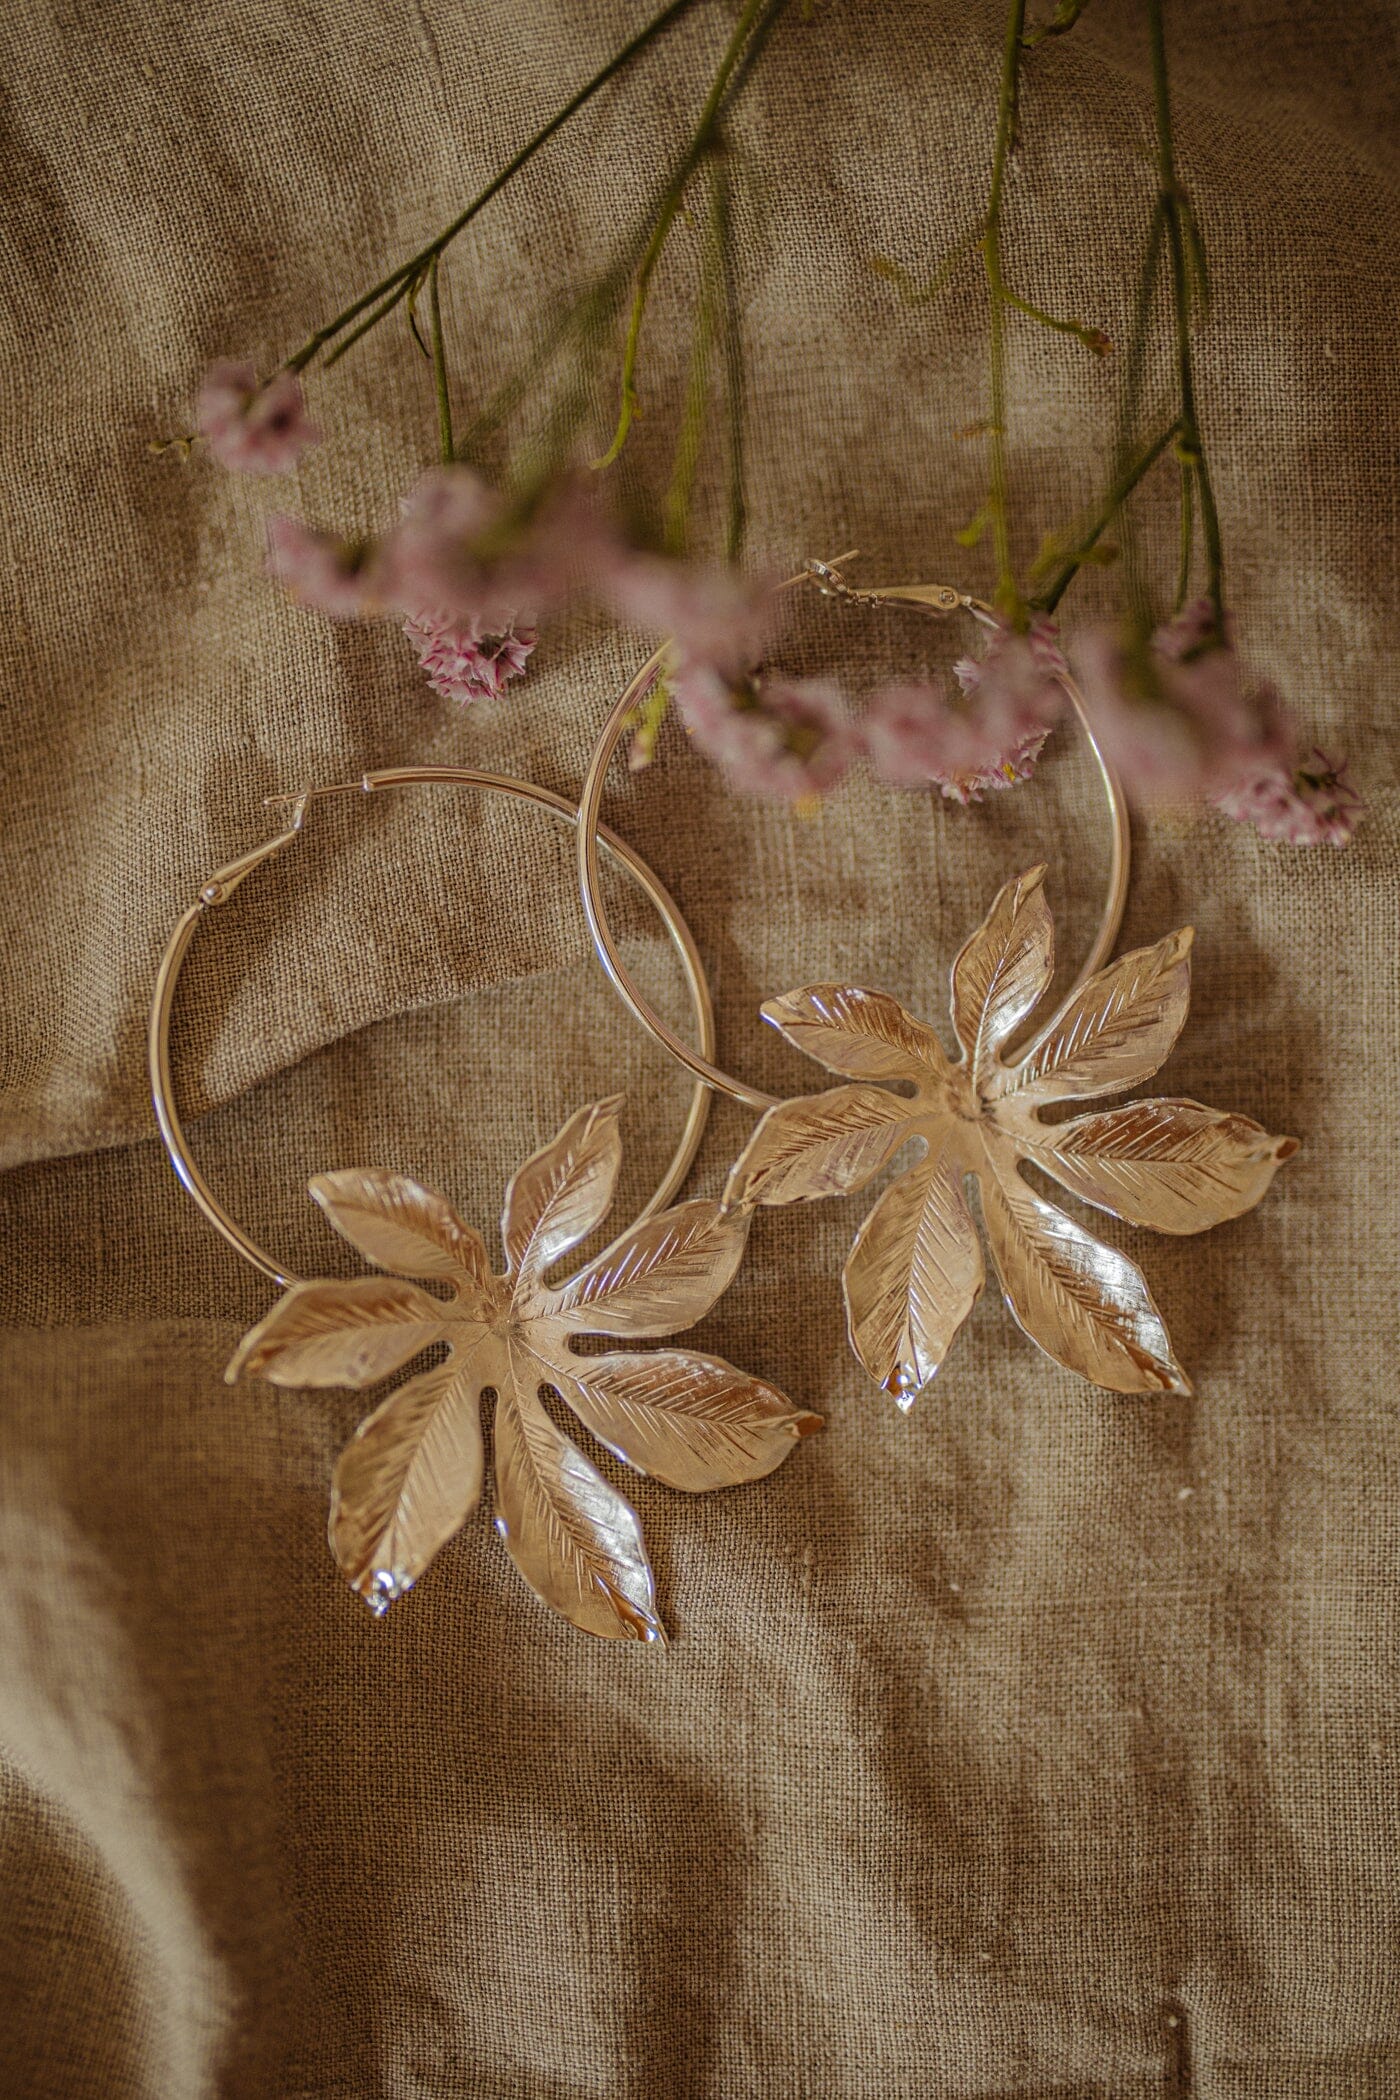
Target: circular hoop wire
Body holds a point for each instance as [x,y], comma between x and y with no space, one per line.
[221,887]
[934,599]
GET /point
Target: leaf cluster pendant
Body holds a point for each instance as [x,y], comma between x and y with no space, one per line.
[414,1471]
[915,1270]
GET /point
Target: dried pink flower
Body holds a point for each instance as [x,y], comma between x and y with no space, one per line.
[335,576]
[783,740]
[466,661]
[1187,633]
[1313,804]
[462,549]
[1177,718]
[915,738]
[255,429]
[713,616]
[1014,683]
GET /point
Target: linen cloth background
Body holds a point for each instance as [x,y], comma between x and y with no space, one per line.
[1040,1745]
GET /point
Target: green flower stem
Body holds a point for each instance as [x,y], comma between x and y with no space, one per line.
[1092,338]
[1177,246]
[1128,436]
[372,320]
[398,281]
[681,493]
[737,519]
[1188,537]
[910,290]
[585,316]
[1135,361]
[700,144]
[1117,495]
[1008,597]
[590,317]
[444,398]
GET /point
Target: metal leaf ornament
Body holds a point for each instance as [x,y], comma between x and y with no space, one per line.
[915,1270]
[414,1470]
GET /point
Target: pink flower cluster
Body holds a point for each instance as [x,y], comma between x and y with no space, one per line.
[463,660]
[253,427]
[787,740]
[470,573]
[1181,722]
[467,574]
[1175,716]
[459,553]
[917,736]
[1311,804]
[792,740]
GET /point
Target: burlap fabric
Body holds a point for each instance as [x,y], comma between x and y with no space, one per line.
[1042,1744]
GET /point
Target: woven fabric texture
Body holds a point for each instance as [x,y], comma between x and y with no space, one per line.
[1041,1746]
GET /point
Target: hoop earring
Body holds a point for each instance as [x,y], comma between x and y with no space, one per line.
[414,1470]
[915,1269]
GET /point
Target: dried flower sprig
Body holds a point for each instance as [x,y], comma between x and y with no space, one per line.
[1177,722]
[473,565]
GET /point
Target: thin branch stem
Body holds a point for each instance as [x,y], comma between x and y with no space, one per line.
[1188,537]
[1008,597]
[398,280]
[1137,339]
[1117,495]
[736,526]
[371,321]
[411,316]
[444,398]
[680,494]
[595,306]
[1092,338]
[1177,246]
[1128,435]
[910,290]
[700,144]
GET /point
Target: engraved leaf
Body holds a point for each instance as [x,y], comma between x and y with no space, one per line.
[914,1272]
[1113,1033]
[1003,969]
[339,1333]
[663,1275]
[1172,1165]
[692,1421]
[819,1145]
[570,1533]
[1084,1303]
[912,1277]
[409,1477]
[562,1191]
[401,1225]
[412,1473]
[862,1034]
